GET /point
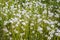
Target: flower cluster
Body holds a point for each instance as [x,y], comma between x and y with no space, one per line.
[28,20]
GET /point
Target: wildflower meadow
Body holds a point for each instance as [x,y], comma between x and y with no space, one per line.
[29,19]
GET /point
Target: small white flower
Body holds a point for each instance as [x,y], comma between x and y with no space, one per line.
[51,35]
[57,15]
[50,14]
[32,24]
[6,22]
[5,29]
[23,23]
[55,21]
[15,31]
[46,35]
[19,15]
[58,30]
[52,32]
[51,22]
[12,7]
[19,11]
[48,28]
[40,29]
[16,25]
[7,3]
[38,15]
[45,11]
[39,20]
[18,6]
[21,34]
[58,24]
[10,33]
[58,0]
[49,38]
[14,19]
[36,4]
[46,21]
[57,34]
[52,26]
[10,38]
[23,12]
[33,31]
[44,5]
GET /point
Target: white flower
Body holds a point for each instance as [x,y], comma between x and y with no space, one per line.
[21,34]
[38,15]
[49,38]
[39,20]
[6,3]
[58,30]
[15,31]
[27,15]
[33,31]
[19,11]
[48,28]
[23,23]
[32,24]
[51,35]
[14,19]
[44,5]
[45,11]
[12,7]
[37,4]
[18,6]
[16,25]
[6,22]
[52,26]
[40,29]
[57,15]
[58,24]
[50,14]
[55,21]
[23,12]
[51,22]
[57,34]
[5,29]
[46,35]
[46,21]
[10,38]
[58,10]
[58,0]
[10,33]
[11,21]
[52,32]
[27,3]
[19,15]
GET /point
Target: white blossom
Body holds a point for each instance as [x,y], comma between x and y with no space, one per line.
[48,28]
[58,24]
[15,31]
[40,29]
[33,31]
[57,34]
[45,11]
[5,29]
[23,23]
